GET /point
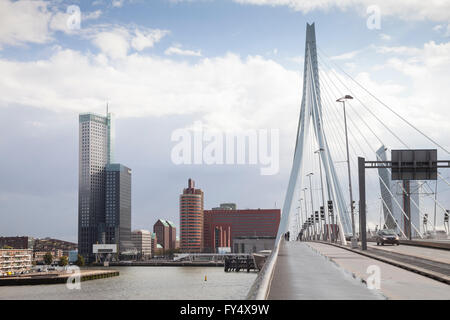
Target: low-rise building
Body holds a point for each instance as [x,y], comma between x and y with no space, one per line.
[15,261]
[154,243]
[142,241]
[159,251]
[172,235]
[177,243]
[24,242]
[48,244]
[222,226]
[38,256]
[252,244]
[73,256]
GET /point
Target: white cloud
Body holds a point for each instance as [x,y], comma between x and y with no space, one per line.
[385,37]
[176,49]
[92,15]
[435,10]
[147,38]
[114,44]
[228,91]
[402,50]
[297,60]
[24,21]
[428,72]
[116,41]
[347,55]
[117,3]
[447,31]
[442,29]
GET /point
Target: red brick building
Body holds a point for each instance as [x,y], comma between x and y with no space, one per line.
[172,235]
[191,219]
[162,230]
[222,225]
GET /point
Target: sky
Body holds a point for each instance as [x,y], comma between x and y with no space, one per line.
[164,65]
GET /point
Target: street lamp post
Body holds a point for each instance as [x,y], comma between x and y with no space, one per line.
[323,191]
[343,99]
[300,214]
[312,205]
[299,223]
[306,207]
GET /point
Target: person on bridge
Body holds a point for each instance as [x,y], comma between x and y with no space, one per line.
[286,236]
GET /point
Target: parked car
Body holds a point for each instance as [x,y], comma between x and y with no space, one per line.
[387,236]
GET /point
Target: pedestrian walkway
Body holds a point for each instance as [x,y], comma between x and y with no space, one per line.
[303,274]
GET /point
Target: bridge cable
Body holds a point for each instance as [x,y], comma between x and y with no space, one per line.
[385,105]
[417,206]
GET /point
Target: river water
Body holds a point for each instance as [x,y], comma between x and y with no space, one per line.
[165,283]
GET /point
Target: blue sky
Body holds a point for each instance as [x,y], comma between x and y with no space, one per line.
[164,64]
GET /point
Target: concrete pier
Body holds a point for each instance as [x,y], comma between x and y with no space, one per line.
[55,277]
[168,264]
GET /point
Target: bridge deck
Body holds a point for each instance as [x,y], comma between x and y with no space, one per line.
[439,255]
[300,273]
[396,283]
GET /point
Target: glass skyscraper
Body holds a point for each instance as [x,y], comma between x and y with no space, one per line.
[118,206]
[96,143]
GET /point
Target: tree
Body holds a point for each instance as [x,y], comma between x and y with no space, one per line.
[64,261]
[48,258]
[80,261]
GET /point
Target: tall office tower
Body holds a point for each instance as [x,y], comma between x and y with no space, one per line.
[118,207]
[191,219]
[394,200]
[95,143]
[386,190]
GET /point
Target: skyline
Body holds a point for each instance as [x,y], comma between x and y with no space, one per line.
[248,82]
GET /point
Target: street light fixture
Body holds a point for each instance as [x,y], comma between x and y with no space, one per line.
[306,206]
[319,152]
[312,204]
[354,241]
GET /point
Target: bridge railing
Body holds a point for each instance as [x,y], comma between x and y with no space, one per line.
[261,287]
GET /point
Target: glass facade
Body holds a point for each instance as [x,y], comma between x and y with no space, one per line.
[93,157]
[118,206]
[104,195]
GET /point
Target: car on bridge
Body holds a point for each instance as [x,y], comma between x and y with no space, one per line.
[387,236]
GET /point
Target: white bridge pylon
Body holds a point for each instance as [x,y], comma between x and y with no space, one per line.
[311,113]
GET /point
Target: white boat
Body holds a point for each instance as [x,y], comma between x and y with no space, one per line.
[261,257]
